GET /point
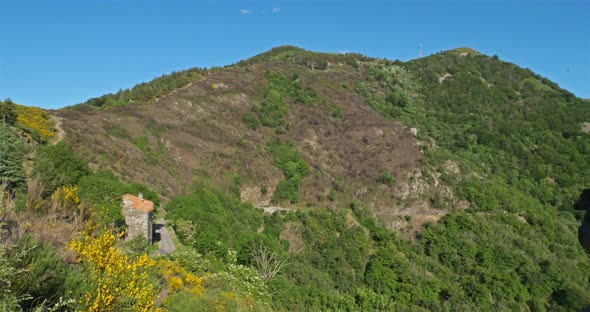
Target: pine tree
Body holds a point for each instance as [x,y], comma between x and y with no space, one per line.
[7,112]
[11,157]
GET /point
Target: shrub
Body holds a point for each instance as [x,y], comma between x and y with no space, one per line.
[250,120]
[35,122]
[40,273]
[57,165]
[114,281]
[294,168]
[386,178]
[101,187]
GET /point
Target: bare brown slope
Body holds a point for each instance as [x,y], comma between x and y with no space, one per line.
[169,142]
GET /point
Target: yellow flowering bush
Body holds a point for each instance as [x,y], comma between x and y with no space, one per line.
[34,120]
[177,278]
[116,281]
[65,198]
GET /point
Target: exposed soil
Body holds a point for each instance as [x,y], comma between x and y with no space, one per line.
[59,131]
[443,77]
[292,232]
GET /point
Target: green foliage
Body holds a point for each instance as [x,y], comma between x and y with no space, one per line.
[215,299]
[192,261]
[504,258]
[57,165]
[273,110]
[311,60]
[149,90]
[101,187]
[294,168]
[250,120]
[390,273]
[386,178]
[185,301]
[141,142]
[8,299]
[517,139]
[39,273]
[524,126]
[215,217]
[391,90]
[138,245]
[287,190]
[239,278]
[570,296]
[11,158]
[110,214]
[289,87]
[103,190]
[275,107]
[8,112]
[515,136]
[324,274]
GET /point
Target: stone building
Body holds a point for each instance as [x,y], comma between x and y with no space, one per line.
[138,216]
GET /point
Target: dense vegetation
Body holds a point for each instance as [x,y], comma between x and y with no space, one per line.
[311,60]
[515,138]
[294,168]
[147,91]
[523,158]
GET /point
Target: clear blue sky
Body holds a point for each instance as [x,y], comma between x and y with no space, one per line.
[57,53]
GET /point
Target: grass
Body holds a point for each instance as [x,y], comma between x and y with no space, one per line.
[142,142]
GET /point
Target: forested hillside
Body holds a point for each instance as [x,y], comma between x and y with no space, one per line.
[298,180]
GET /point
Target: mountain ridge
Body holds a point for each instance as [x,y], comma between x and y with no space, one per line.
[442,183]
[319,72]
[287,53]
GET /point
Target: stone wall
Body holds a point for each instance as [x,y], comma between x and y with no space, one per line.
[137,223]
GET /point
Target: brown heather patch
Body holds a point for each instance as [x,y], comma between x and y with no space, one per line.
[200,129]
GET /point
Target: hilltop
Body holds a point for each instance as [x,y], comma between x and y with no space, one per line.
[442,183]
[222,124]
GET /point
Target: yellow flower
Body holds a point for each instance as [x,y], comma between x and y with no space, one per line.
[113,274]
[34,119]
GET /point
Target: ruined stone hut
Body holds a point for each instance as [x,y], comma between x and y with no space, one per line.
[138,216]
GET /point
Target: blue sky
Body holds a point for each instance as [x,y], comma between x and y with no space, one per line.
[58,53]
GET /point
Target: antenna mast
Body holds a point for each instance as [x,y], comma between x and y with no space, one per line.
[420,50]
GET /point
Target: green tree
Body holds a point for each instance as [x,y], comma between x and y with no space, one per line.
[101,187]
[7,112]
[11,157]
[57,165]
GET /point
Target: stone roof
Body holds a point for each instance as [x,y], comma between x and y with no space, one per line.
[140,204]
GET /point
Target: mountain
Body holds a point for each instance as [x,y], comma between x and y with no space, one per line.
[223,124]
[442,183]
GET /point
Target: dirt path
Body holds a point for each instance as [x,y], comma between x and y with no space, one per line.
[273,209]
[179,89]
[166,245]
[59,131]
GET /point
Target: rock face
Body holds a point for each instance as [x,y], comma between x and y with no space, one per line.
[583,203]
[138,216]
